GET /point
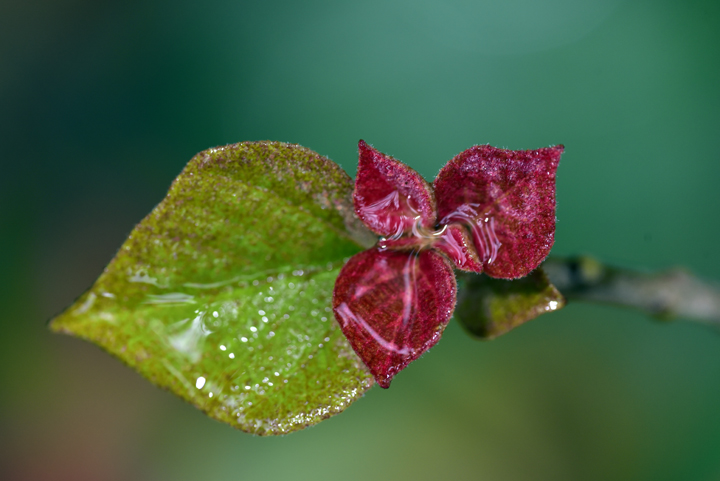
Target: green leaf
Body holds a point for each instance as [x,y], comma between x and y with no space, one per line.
[490,307]
[223,293]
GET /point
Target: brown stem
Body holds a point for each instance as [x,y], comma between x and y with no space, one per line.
[666,294]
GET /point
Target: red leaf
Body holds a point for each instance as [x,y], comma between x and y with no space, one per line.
[456,243]
[507,198]
[393,306]
[389,196]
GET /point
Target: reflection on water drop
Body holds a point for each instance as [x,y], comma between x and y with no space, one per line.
[200,382]
[189,341]
[170,298]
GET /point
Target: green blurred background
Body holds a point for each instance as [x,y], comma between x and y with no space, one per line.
[102,104]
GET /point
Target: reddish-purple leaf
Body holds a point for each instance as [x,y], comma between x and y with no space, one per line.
[456,243]
[390,197]
[393,306]
[507,198]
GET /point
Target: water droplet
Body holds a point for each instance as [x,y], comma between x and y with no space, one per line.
[244,339]
[264,319]
[261,312]
[231,355]
[215,314]
[253,328]
[222,348]
[256,282]
[200,382]
[210,395]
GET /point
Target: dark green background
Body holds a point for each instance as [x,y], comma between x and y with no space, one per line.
[101,105]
